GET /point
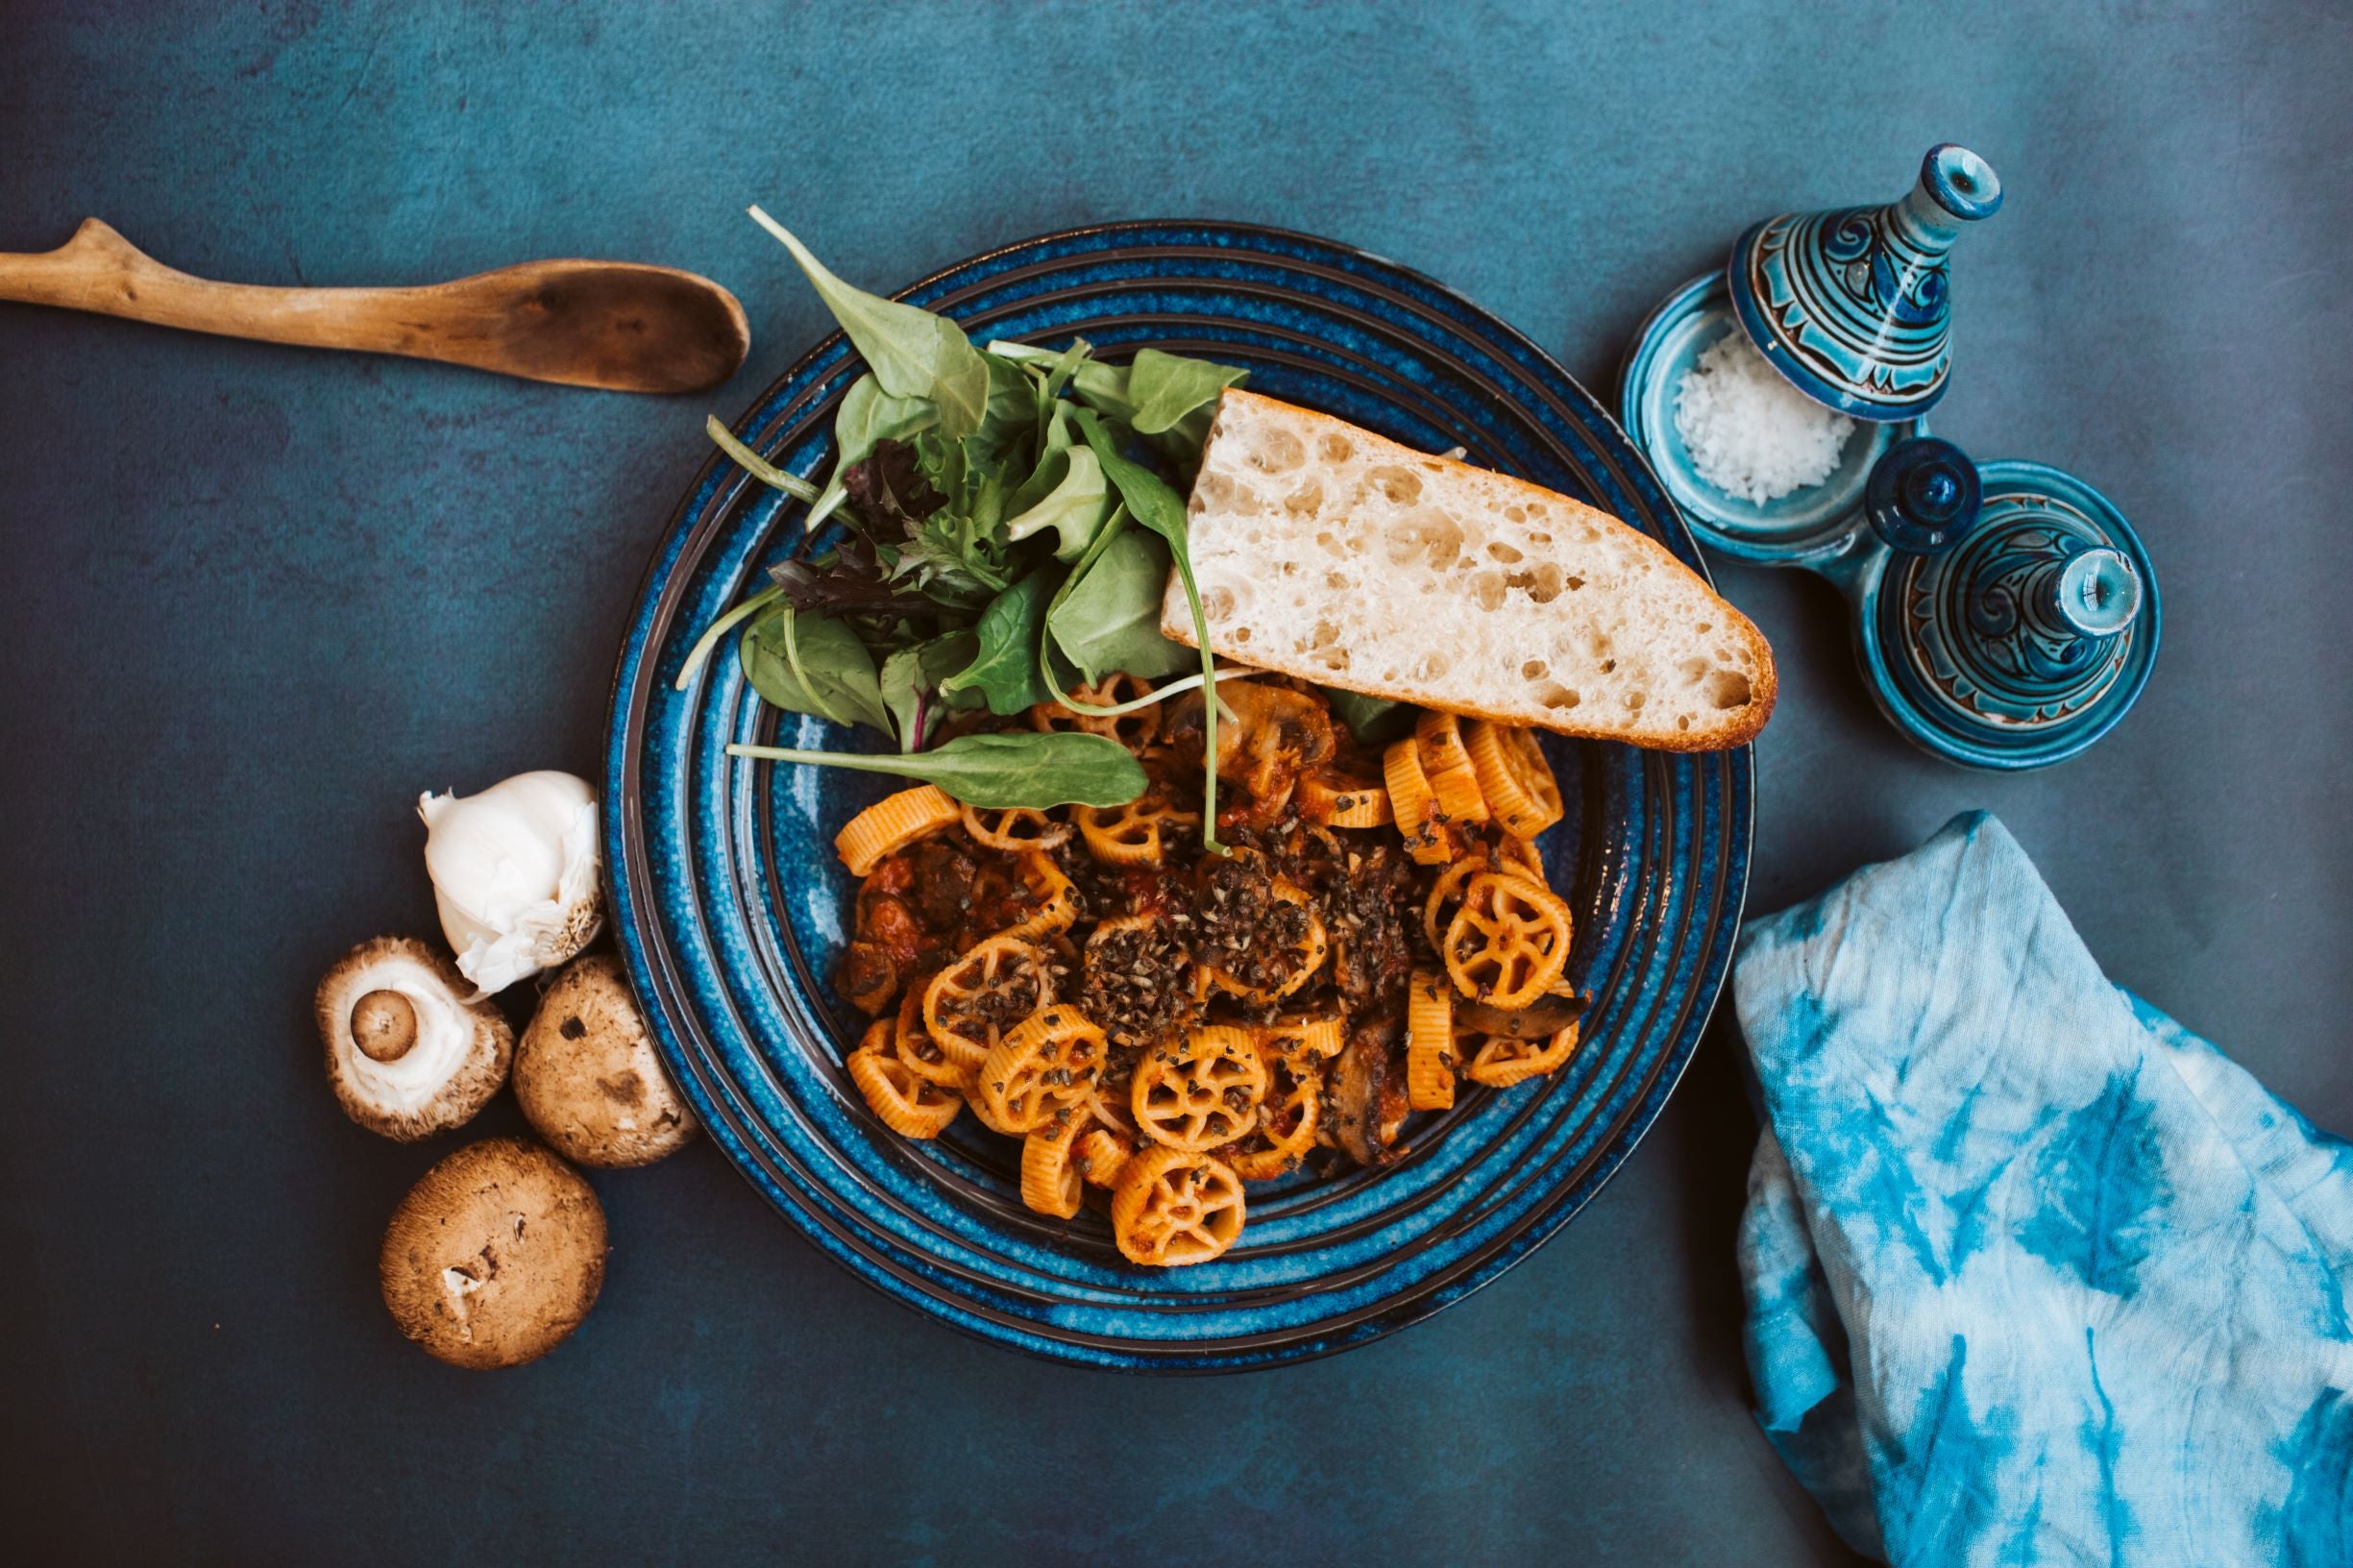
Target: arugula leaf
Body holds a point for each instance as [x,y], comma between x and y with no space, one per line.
[1107,617]
[1005,668]
[812,664]
[909,680]
[1075,503]
[1374,721]
[1166,399]
[1157,507]
[913,353]
[867,415]
[1019,768]
[1167,390]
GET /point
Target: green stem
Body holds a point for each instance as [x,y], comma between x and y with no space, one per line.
[1159,694]
[720,628]
[855,761]
[757,466]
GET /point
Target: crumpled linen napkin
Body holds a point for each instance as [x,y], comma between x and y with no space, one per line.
[2034,1275]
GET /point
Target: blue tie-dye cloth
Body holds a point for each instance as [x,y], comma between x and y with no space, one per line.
[2034,1274]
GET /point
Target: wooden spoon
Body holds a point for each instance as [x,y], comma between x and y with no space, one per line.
[605,323]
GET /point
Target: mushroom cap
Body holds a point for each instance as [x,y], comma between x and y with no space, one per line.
[588,1074]
[495,1256]
[456,1061]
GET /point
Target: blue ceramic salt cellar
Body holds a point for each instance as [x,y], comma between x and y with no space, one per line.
[1853,307]
[2005,615]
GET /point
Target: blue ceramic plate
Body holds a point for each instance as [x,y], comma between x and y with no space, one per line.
[730,905]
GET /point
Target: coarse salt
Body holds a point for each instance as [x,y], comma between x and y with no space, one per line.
[1750,433]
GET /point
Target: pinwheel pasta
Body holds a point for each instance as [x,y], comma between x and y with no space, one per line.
[1158,1026]
[1508,941]
[908,1104]
[1013,829]
[1173,1208]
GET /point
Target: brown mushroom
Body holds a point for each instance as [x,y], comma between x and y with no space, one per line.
[408,1051]
[588,1074]
[495,1256]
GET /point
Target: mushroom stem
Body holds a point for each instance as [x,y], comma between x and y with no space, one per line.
[383,1025]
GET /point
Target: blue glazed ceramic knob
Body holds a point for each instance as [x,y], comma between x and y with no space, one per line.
[1922,496]
[1853,304]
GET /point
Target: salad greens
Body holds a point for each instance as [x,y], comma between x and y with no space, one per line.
[1006,530]
[1022,768]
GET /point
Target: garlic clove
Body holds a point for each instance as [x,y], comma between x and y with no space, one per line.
[515,874]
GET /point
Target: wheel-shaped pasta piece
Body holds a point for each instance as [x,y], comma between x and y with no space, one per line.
[1504,1061]
[1012,829]
[1309,954]
[1295,1037]
[1446,896]
[1042,1067]
[1054,901]
[1446,762]
[1508,941]
[993,986]
[1051,1182]
[1430,1042]
[919,1051]
[1414,806]
[1337,801]
[1171,1208]
[891,825]
[1135,730]
[1135,834]
[1100,1154]
[1513,775]
[1201,1093]
[1290,1122]
[907,1103]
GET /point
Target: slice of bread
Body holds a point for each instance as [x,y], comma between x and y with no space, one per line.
[1326,552]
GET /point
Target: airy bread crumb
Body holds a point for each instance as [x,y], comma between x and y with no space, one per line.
[1326,552]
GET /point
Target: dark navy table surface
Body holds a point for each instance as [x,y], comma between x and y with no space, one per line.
[258,597]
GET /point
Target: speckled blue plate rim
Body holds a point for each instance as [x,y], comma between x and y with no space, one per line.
[840,1233]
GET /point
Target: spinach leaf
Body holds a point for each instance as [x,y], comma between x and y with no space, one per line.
[1009,418]
[867,415]
[1019,767]
[1075,506]
[1374,721]
[1167,390]
[910,678]
[1005,668]
[812,664]
[1154,505]
[757,466]
[1107,617]
[913,353]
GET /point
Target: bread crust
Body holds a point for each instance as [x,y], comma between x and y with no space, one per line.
[1741,725]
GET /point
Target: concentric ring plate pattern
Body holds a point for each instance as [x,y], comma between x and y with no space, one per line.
[729,903]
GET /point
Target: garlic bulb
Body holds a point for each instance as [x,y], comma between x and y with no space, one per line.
[514,873]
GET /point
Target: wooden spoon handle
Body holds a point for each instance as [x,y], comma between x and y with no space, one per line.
[99,270]
[605,323]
